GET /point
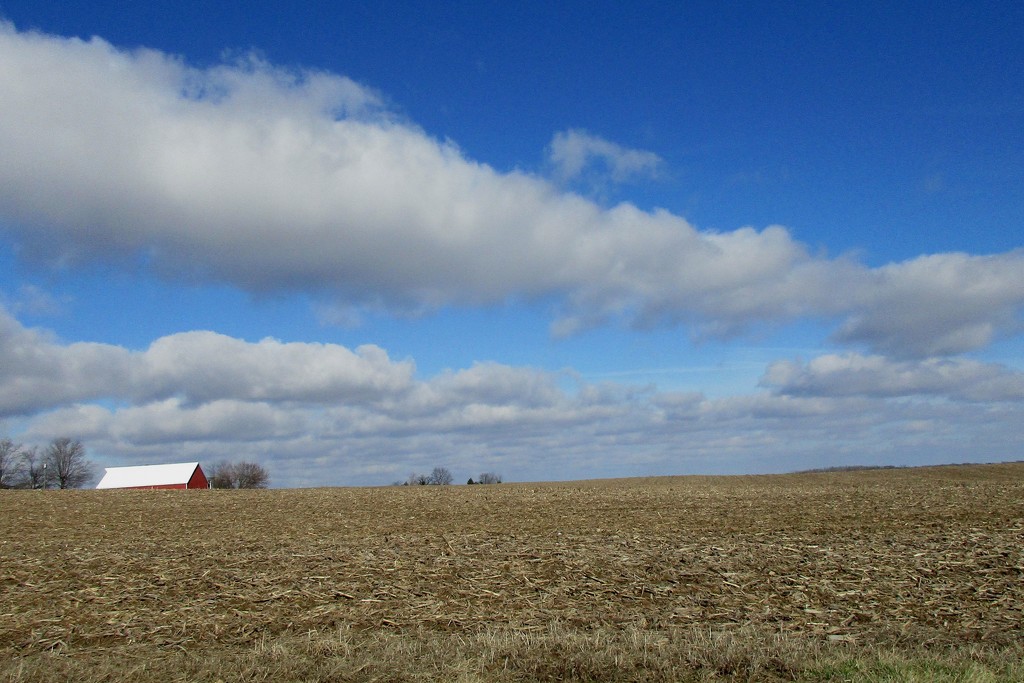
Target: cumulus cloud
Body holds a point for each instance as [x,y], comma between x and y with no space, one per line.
[170,422]
[274,180]
[938,304]
[573,151]
[205,366]
[877,376]
[193,368]
[37,373]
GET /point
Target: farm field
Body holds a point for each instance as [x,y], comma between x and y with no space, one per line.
[897,574]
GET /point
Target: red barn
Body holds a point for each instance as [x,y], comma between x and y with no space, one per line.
[185,475]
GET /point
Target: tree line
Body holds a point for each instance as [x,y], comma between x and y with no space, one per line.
[62,464]
[442,476]
[439,476]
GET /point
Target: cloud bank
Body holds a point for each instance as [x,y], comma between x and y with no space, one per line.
[273,180]
[880,377]
[322,414]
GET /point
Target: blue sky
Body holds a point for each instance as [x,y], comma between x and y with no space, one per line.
[354,241]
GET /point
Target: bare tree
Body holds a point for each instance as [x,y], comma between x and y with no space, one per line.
[239,475]
[440,476]
[489,478]
[10,463]
[249,475]
[67,461]
[31,470]
[222,476]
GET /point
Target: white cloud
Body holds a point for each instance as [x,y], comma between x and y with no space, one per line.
[877,376]
[938,304]
[276,181]
[171,423]
[195,368]
[573,152]
[37,373]
[204,366]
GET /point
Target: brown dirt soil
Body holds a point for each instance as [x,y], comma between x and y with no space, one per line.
[914,557]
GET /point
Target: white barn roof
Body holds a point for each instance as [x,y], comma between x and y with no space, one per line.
[147,475]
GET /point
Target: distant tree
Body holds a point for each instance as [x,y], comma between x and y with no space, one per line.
[66,461]
[417,479]
[239,475]
[489,478]
[10,463]
[249,475]
[440,476]
[470,482]
[222,476]
[31,473]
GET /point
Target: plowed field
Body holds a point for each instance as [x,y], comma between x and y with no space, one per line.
[906,557]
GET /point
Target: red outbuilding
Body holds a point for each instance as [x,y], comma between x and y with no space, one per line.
[184,475]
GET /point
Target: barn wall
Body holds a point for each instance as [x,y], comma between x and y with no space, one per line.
[198,480]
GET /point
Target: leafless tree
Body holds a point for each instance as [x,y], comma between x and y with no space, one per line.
[249,475]
[31,471]
[67,462]
[222,476]
[489,478]
[417,479]
[440,476]
[10,463]
[239,475]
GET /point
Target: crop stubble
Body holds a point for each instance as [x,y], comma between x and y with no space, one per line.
[928,556]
